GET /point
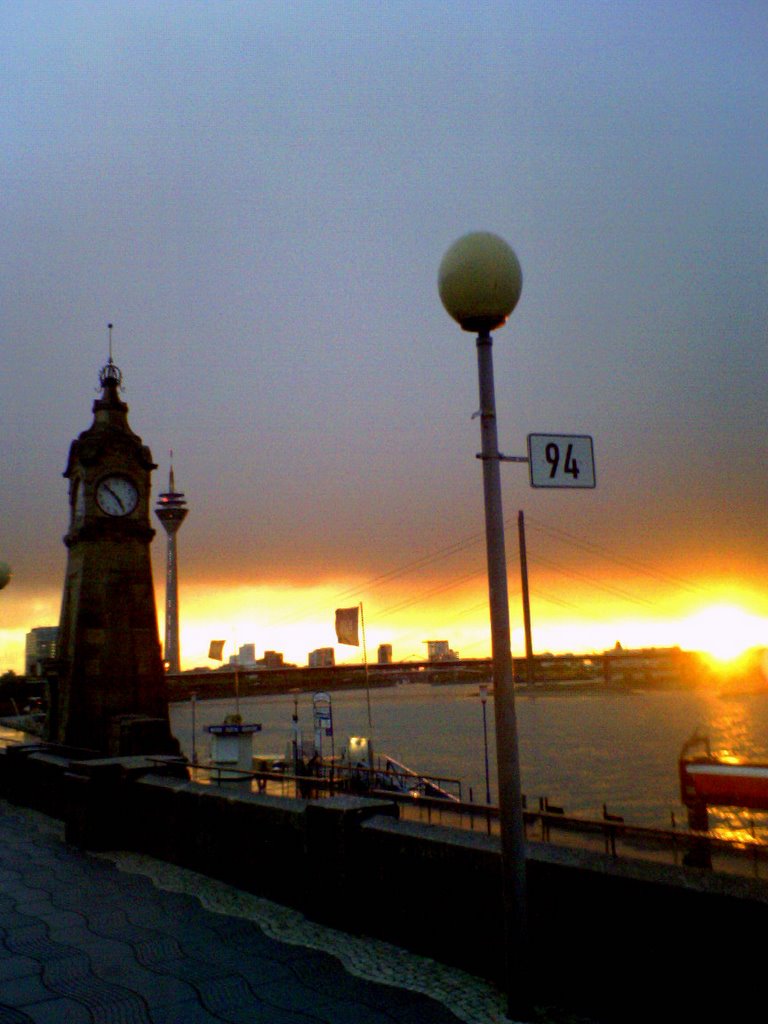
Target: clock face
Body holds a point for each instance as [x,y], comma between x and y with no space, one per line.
[117,496]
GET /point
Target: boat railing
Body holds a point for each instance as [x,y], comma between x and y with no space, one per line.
[698,741]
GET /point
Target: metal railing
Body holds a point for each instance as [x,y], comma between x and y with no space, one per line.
[390,778]
[609,834]
[548,823]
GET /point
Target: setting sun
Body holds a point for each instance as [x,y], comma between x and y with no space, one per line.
[724,631]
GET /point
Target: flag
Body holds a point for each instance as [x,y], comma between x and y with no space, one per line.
[216,650]
[346,626]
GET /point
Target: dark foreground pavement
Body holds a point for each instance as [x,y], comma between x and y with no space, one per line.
[82,941]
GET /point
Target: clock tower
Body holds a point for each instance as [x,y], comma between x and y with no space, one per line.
[111,695]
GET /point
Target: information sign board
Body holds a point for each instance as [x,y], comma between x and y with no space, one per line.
[561,460]
[233,729]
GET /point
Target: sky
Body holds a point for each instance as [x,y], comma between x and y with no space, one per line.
[259,195]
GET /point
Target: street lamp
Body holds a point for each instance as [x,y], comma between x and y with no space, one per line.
[480,282]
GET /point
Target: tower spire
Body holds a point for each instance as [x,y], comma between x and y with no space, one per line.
[171,511]
[110,376]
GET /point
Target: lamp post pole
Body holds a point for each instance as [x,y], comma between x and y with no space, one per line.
[508,758]
[480,283]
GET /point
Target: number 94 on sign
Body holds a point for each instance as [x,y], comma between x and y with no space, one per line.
[561,460]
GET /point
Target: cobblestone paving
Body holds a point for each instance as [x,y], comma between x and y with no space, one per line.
[124,939]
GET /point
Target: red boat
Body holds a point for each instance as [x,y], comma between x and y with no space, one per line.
[708,781]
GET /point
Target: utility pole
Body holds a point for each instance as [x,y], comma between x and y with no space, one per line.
[529,666]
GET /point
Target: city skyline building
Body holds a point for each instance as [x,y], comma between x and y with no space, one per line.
[246,655]
[171,511]
[322,657]
[384,656]
[246,658]
[440,650]
[40,646]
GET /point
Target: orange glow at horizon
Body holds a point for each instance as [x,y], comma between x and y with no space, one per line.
[295,619]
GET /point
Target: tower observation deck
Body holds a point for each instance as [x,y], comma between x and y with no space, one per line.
[171,511]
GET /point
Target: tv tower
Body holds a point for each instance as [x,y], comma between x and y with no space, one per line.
[171,512]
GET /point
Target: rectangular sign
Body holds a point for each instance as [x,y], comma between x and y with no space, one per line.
[228,729]
[561,460]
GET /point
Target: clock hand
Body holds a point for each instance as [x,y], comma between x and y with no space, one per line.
[115,496]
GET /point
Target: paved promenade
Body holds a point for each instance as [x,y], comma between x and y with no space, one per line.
[122,939]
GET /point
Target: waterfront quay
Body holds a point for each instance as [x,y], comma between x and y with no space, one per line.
[352,863]
[544,821]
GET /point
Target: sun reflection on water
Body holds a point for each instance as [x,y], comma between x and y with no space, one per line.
[736,727]
[745,828]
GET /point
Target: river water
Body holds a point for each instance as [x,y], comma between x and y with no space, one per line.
[581,750]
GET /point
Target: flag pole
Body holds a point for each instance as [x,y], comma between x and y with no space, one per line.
[367,680]
[237,678]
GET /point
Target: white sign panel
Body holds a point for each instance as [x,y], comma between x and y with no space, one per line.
[561,460]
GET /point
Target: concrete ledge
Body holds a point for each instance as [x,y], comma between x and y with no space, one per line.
[438,886]
[96,794]
[332,831]
[703,882]
[253,841]
[615,938]
[31,775]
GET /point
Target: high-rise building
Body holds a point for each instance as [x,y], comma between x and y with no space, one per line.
[439,650]
[385,654]
[246,655]
[323,657]
[171,512]
[246,658]
[40,646]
